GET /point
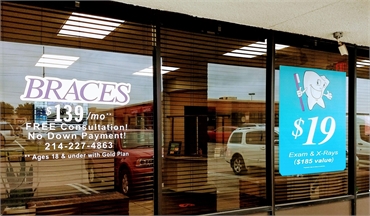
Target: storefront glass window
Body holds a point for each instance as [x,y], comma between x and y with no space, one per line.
[77,123]
[214,111]
[76,116]
[363,124]
[312,106]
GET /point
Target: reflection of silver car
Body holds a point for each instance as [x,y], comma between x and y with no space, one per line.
[246,148]
[363,140]
[253,125]
[58,135]
[7,134]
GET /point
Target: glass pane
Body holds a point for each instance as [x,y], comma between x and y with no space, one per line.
[83,139]
[363,124]
[211,102]
[236,138]
[306,150]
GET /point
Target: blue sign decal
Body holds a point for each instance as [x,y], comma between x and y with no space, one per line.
[312,121]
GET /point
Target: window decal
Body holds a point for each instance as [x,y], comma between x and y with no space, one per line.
[91,91]
[312,119]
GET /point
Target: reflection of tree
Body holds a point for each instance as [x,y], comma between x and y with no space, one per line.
[6,110]
[25,110]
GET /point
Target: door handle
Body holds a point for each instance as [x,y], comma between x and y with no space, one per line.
[262,148]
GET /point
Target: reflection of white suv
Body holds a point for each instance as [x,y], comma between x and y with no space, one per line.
[7,134]
[246,148]
[363,140]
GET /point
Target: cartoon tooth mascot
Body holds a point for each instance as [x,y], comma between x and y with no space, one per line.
[314,86]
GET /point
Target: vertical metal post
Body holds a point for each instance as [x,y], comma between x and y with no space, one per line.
[197,134]
[157,112]
[270,122]
[352,142]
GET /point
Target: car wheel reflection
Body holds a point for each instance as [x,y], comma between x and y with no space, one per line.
[238,165]
[125,182]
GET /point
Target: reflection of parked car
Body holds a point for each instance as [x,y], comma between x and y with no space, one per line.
[246,148]
[58,135]
[133,161]
[98,136]
[253,125]
[7,134]
[363,140]
[220,134]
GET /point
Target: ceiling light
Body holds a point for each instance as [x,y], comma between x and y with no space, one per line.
[253,50]
[149,71]
[234,54]
[244,51]
[56,61]
[363,63]
[83,25]
[280,46]
[258,45]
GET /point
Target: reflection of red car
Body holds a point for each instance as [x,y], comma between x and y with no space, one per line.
[221,134]
[133,161]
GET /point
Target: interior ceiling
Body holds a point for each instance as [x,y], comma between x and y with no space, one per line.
[317,18]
